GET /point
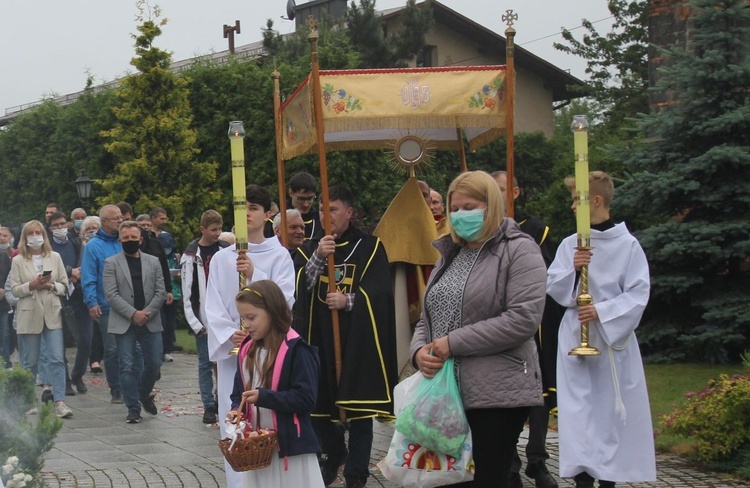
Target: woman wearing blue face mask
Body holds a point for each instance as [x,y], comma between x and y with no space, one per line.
[483,305]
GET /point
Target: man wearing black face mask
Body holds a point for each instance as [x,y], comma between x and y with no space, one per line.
[134,288]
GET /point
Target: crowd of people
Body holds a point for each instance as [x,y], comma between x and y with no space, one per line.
[314,361]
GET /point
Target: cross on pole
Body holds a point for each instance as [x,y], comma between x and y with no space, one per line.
[509,17]
[229,32]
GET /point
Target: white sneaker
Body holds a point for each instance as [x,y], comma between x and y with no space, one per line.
[62,410]
[168,358]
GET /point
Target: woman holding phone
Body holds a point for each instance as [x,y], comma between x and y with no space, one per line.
[38,280]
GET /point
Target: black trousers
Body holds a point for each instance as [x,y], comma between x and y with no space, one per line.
[331,438]
[536,449]
[494,433]
[168,322]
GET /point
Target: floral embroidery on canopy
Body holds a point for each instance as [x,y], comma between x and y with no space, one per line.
[486,98]
[338,101]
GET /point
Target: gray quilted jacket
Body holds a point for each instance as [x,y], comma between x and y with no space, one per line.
[502,308]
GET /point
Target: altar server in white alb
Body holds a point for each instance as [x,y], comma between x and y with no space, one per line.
[604,418]
[266,259]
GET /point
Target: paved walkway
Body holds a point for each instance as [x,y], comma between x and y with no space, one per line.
[96,448]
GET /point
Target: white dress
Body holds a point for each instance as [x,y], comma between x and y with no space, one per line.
[271,261]
[302,471]
[603,410]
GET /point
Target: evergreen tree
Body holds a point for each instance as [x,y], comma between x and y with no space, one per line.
[693,175]
[153,141]
[617,62]
[378,50]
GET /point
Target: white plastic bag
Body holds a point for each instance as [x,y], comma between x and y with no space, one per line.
[404,390]
[412,466]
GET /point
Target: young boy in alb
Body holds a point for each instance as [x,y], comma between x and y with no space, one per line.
[604,418]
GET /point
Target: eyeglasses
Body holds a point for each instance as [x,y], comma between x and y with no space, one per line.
[309,199]
[58,226]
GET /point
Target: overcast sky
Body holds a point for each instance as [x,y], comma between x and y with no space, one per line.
[47,47]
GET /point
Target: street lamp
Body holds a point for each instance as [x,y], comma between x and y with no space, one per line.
[83,187]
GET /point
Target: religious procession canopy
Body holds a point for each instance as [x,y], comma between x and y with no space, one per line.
[370,109]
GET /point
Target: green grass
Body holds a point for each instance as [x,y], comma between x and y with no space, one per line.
[186,340]
[667,385]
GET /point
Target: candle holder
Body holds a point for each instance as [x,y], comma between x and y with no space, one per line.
[580,128]
[239,199]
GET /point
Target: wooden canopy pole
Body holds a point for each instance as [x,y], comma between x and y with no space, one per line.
[461,150]
[510,106]
[319,129]
[279,159]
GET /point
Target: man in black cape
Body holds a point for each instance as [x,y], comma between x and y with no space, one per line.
[364,300]
[546,342]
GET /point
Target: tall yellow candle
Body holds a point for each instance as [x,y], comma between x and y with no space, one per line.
[581,145]
[237,144]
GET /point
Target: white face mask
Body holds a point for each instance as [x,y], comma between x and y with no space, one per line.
[5,246]
[35,242]
[61,234]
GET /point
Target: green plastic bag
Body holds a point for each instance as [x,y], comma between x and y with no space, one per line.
[435,417]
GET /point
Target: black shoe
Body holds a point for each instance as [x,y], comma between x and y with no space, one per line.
[177,348]
[134,417]
[47,396]
[515,480]
[149,406]
[329,467]
[356,481]
[81,386]
[209,415]
[584,480]
[540,474]
[69,391]
[606,484]
[117,398]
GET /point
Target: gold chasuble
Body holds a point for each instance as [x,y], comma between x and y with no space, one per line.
[407,231]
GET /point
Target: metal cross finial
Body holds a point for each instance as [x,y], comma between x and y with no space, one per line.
[509,17]
[312,23]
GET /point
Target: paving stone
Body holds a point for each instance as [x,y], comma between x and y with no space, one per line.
[97,449]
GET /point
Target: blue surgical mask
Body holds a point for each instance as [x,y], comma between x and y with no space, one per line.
[78,223]
[468,223]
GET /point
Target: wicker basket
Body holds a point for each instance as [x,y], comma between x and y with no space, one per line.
[252,452]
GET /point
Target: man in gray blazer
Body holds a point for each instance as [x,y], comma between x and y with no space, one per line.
[134,288]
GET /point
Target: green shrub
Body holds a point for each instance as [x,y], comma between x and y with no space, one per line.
[717,417]
[20,437]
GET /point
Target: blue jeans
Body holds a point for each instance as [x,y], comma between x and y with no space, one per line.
[111,360]
[5,338]
[205,373]
[29,346]
[136,383]
[111,357]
